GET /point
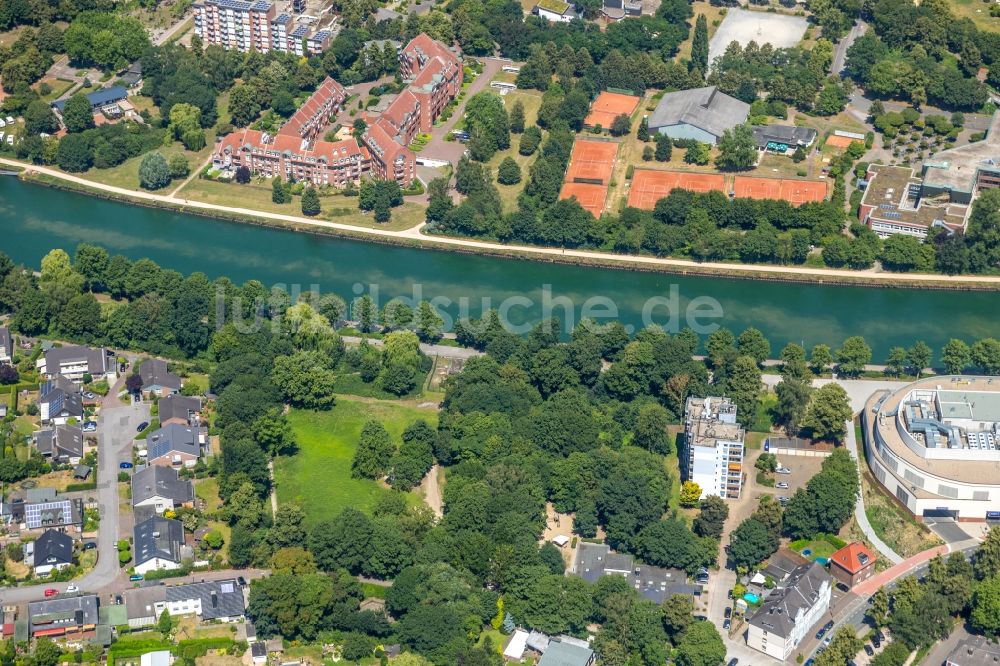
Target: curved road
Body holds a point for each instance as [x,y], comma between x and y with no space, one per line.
[416,233]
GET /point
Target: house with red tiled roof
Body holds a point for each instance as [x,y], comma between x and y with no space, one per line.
[852,564]
[389,159]
[309,119]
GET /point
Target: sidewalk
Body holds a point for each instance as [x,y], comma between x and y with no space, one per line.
[859,507]
[870,586]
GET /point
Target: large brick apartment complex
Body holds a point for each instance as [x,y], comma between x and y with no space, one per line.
[296,152]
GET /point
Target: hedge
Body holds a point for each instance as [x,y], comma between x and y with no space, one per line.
[129,648]
[76,487]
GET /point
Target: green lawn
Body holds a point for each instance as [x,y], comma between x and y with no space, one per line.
[817,548]
[978,11]
[126,174]
[531,100]
[319,475]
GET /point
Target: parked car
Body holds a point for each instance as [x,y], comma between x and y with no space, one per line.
[125,465]
[828,626]
[136,577]
[880,635]
[90,426]
[876,642]
[869,650]
[783,499]
[733,662]
[90,545]
[729,612]
[783,470]
[726,624]
[89,395]
[828,639]
[72,588]
[9,119]
[242,581]
[142,426]
[781,485]
[51,592]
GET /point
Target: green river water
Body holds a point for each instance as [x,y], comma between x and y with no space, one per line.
[35,219]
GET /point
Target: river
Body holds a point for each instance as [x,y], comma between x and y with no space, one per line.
[34,219]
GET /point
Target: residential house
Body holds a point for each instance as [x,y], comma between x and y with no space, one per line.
[52,551]
[157,544]
[156,658]
[179,409]
[616,10]
[59,399]
[73,362]
[562,652]
[157,379]
[310,119]
[974,651]
[220,600]
[785,619]
[65,515]
[335,163]
[175,445]
[433,73]
[104,100]
[703,114]
[62,444]
[655,584]
[852,564]
[6,345]
[132,78]
[70,617]
[161,488]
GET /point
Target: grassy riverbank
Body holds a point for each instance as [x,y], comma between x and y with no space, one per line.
[547,255]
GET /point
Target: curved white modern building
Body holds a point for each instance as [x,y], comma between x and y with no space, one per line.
[935,445]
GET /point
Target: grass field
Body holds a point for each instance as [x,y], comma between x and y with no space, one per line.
[258,197]
[713,15]
[531,100]
[319,475]
[978,11]
[126,174]
[59,87]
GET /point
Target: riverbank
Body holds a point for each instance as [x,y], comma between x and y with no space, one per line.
[415,238]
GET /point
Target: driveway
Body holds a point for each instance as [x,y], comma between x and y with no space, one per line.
[451,151]
[948,530]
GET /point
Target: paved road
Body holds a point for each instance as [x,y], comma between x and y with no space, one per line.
[840,51]
[116,426]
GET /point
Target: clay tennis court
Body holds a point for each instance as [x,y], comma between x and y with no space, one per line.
[591,162]
[591,197]
[609,106]
[835,141]
[795,192]
[649,186]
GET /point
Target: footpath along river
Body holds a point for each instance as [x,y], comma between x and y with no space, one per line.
[34,219]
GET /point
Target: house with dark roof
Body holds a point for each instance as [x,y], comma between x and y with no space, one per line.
[6,345]
[702,114]
[783,139]
[795,606]
[65,515]
[852,564]
[103,100]
[52,551]
[656,584]
[161,488]
[179,409]
[157,379]
[175,445]
[157,544]
[63,616]
[73,362]
[61,444]
[59,399]
[220,600]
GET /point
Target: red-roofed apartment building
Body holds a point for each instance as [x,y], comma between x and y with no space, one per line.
[852,564]
[434,76]
[294,153]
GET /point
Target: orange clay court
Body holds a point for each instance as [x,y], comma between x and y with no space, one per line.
[591,197]
[609,106]
[835,141]
[795,192]
[591,162]
[649,186]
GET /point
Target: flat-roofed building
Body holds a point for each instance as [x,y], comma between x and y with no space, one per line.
[935,446]
[974,651]
[713,442]
[235,24]
[894,203]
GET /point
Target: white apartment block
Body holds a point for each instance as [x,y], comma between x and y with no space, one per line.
[235,24]
[714,447]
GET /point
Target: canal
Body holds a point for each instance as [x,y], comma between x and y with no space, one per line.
[35,219]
